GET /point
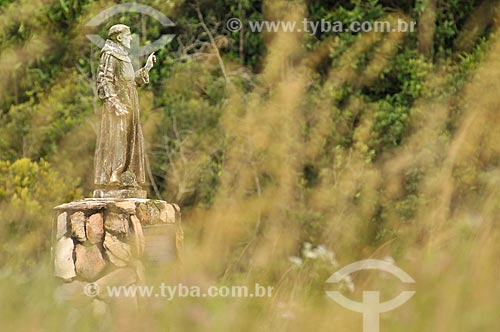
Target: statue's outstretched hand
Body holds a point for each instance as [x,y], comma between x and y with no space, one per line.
[150,62]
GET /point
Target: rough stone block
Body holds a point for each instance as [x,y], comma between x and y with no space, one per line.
[169,214]
[151,211]
[118,251]
[78,226]
[127,206]
[138,240]
[116,223]
[62,225]
[95,228]
[89,262]
[64,266]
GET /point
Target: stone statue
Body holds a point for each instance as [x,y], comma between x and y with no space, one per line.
[119,157]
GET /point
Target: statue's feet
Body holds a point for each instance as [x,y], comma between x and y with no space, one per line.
[121,186]
[129,180]
[115,180]
[120,193]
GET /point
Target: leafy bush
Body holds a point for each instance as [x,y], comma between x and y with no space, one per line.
[28,192]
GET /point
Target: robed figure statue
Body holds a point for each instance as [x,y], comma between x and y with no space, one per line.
[119,158]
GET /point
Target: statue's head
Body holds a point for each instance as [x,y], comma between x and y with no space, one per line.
[120,33]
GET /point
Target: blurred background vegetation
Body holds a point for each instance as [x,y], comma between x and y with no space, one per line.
[276,146]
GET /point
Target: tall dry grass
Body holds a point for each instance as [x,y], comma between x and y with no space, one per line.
[450,246]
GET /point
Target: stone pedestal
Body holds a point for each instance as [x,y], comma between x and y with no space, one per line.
[120,193]
[100,242]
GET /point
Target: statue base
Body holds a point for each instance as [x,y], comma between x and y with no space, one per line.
[120,193]
[101,242]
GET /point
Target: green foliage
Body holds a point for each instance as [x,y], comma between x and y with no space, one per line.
[29,183]
[28,192]
[450,17]
[215,14]
[391,122]
[35,129]
[64,13]
[467,63]
[399,85]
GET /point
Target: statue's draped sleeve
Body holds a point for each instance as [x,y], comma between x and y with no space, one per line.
[141,77]
[106,78]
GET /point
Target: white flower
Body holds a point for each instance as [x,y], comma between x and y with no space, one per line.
[295,260]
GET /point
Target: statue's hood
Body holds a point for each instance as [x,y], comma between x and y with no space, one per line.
[117,50]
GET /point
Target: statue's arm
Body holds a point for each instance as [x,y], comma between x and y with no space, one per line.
[105,77]
[142,76]
[106,83]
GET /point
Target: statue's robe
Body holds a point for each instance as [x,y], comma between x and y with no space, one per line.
[120,146]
